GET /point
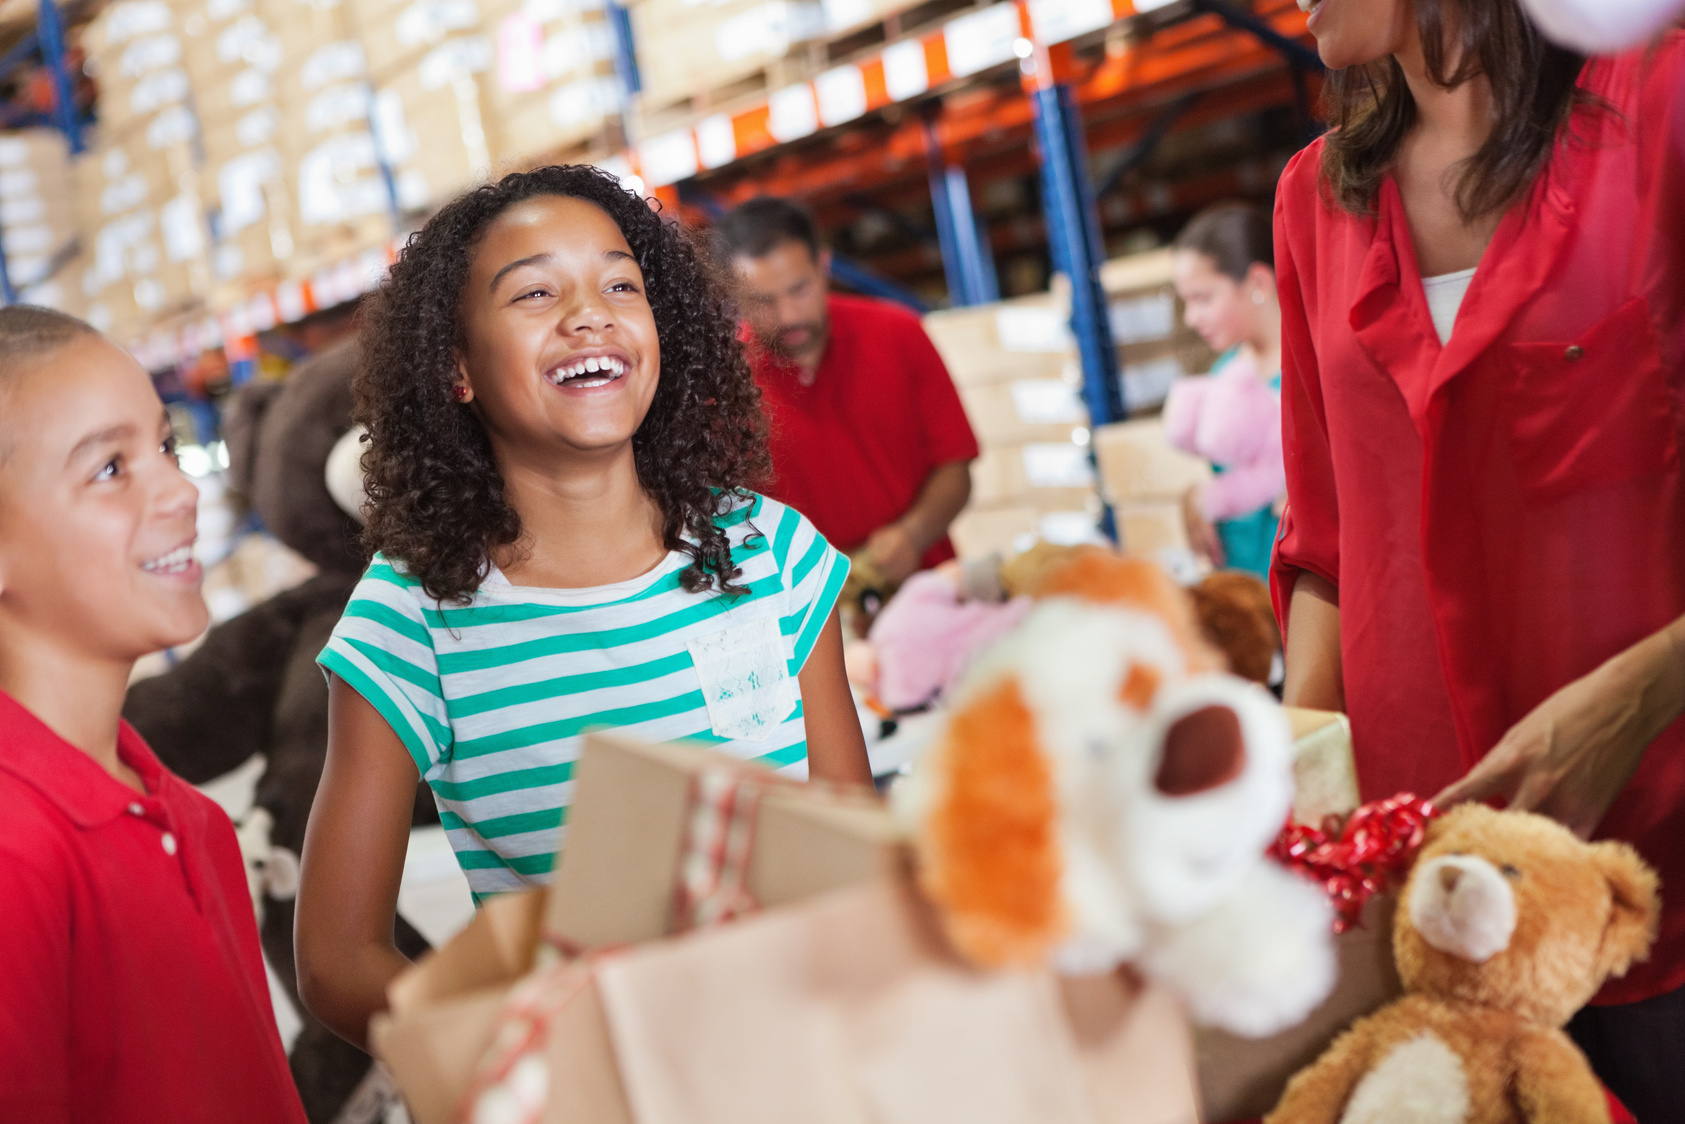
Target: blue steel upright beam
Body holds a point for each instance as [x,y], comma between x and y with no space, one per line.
[1073,236]
[50,29]
[966,259]
[8,295]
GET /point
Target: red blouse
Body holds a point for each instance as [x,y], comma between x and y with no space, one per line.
[1503,513]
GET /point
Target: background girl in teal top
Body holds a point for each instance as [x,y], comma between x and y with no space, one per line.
[1224,270]
[562,433]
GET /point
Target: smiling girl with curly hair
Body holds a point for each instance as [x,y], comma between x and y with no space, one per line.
[562,437]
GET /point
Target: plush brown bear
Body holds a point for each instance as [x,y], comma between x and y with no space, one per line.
[1507,925]
[253,686]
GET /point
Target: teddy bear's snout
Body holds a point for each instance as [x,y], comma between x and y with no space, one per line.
[1462,905]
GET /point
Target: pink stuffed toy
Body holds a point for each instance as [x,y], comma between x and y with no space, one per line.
[1231,419]
[926,637]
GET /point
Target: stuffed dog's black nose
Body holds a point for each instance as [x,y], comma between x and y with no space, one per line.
[1449,877]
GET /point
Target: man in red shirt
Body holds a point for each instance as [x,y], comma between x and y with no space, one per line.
[869,439]
[131,981]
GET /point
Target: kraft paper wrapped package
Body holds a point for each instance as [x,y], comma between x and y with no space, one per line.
[1242,1078]
[837,1002]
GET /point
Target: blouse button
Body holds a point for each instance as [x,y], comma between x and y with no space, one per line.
[1574,352]
[169,842]
[135,809]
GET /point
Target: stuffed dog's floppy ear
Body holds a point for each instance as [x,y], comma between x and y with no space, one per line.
[1634,911]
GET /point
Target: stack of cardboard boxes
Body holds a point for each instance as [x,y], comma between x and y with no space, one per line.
[138,187]
[233,60]
[38,226]
[430,64]
[555,87]
[341,198]
[1017,371]
[1021,387]
[1141,476]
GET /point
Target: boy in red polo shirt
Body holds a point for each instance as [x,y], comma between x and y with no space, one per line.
[131,983]
[868,436]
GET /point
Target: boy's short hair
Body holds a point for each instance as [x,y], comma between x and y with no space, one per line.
[755,229]
[27,333]
[30,332]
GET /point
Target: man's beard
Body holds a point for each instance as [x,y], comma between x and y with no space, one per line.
[815,333]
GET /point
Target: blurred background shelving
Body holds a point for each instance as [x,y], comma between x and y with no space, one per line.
[216,183]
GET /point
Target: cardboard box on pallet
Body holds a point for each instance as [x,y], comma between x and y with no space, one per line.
[1016,339]
[1070,517]
[252,214]
[543,45]
[686,49]
[304,25]
[1138,463]
[135,48]
[38,216]
[1037,471]
[340,198]
[1025,410]
[432,124]
[1150,526]
[569,116]
[250,202]
[225,40]
[397,34]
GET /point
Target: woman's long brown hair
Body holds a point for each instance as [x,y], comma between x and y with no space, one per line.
[1534,89]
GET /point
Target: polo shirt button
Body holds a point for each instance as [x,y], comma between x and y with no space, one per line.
[135,809]
[1574,352]
[169,842]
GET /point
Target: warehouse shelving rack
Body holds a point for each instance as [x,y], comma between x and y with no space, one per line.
[45,39]
[1003,88]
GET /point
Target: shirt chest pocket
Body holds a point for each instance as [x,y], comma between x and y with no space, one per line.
[1593,411]
[745,679]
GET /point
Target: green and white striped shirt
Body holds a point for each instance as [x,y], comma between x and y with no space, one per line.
[491,698]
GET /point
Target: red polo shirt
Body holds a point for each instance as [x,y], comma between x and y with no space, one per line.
[1503,513]
[852,451]
[131,982]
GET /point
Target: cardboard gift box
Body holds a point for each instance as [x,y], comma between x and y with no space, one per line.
[845,1009]
[626,836]
[1242,1078]
[842,1005]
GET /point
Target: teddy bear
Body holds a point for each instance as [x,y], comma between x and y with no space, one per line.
[1507,925]
[252,687]
[1103,791]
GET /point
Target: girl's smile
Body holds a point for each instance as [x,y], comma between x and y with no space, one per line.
[592,369]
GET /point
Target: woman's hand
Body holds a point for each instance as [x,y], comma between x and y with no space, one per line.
[1574,753]
[1202,534]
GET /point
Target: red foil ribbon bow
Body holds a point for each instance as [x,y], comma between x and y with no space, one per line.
[1368,854]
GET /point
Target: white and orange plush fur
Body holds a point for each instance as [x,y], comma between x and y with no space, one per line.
[1102,793]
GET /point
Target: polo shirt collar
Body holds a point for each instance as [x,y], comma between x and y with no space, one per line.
[86,793]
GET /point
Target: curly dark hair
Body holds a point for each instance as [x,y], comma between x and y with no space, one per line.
[436,499]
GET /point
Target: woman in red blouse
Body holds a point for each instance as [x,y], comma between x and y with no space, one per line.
[1482,281]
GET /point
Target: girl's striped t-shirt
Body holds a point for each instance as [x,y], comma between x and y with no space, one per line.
[492,698]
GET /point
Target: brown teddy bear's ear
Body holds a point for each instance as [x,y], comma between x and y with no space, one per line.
[1634,911]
